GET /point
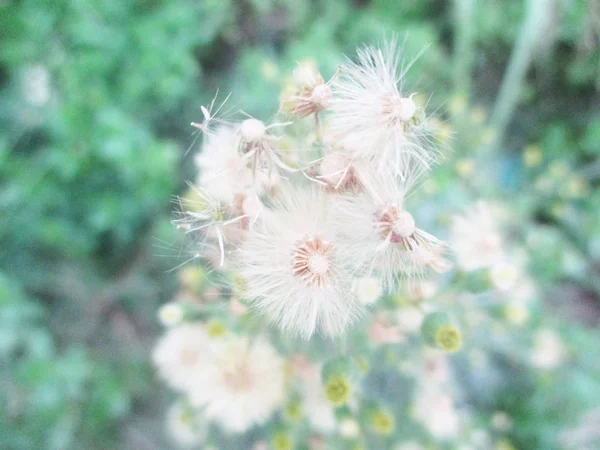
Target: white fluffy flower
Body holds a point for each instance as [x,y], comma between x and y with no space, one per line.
[171,314]
[295,266]
[185,426]
[224,171]
[382,234]
[436,411]
[476,240]
[180,353]
[242,385]
[374,118]
[504,276]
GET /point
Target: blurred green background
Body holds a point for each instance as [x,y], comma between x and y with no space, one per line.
[96,98]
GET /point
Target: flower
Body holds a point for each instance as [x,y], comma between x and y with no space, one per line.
[504,276]
[435,410]
[549,351]
[171,314]
[309,95]
[180,353]
[373,117]
[241,385]
[318,410]
[205,217]
[295,267]
[383,235]
[475,238]
[224,172]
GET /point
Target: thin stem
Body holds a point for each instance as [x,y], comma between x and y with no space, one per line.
[464,48]
[537,17]
[318,127]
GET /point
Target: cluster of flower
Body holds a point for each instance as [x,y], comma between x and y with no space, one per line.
[307,219]
[300,222]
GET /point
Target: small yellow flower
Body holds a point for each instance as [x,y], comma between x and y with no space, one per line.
[382,422]
[338,390]
[448,338]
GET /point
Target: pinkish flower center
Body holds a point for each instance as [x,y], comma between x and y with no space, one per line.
[394,224]
[312,260]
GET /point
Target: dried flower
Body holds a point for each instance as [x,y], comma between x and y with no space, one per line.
[296,269]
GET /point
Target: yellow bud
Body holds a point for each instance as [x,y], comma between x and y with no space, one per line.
[338,390]
[448,338]
[382,422]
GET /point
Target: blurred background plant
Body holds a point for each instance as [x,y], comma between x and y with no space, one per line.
[96,98]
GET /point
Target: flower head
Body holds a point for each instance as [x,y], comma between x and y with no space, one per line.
[241,385]
[309,95]
[380,228]
[475,238]
[180,353]
[295,267]
[374,118]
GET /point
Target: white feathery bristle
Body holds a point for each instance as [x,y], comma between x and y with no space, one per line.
[372,117]
[379,229]
[476,239]
[252,130]
[295,266]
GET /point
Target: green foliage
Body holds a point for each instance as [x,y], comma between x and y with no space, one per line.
[95,101]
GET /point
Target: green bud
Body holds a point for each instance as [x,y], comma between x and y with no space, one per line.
[439,332]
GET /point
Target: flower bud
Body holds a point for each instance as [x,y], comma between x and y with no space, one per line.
[379,419]
[404,226]
[406,109]
[215,328]
[439,332]
[252,130]
[337,376]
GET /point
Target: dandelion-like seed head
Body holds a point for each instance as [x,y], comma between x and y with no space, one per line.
[339,172]
[312,260]
[395,224]
[321,94]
